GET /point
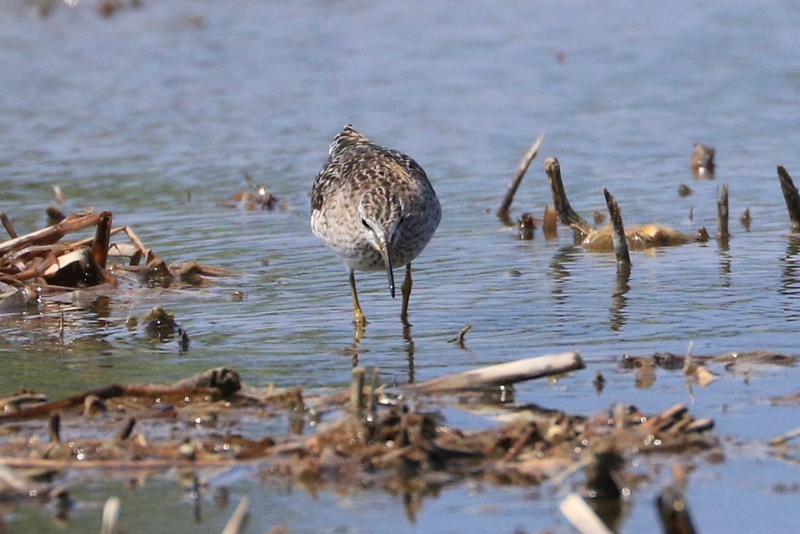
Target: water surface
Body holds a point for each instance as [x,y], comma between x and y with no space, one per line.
[155,114]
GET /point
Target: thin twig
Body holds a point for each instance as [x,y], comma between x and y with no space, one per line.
[503,211]
[459,339]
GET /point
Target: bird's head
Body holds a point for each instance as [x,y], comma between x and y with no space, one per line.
[381,213]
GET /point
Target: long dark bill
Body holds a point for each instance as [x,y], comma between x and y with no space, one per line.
[387,251]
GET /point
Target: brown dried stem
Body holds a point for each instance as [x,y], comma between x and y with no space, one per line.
[723,234]
[7,225]
[791,196]
[102,237]
[503,210]
[51,234]
[618,235]
[216,383]
[563,208]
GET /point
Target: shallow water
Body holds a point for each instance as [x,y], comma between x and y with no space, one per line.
[156,113]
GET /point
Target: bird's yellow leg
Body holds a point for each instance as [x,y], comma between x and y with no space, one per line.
[406,288]
[358,315]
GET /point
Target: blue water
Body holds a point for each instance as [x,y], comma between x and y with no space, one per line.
[155,113]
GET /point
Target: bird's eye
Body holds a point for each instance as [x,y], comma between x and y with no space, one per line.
[365,224]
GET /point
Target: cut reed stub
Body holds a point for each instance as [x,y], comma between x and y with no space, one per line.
[791,196]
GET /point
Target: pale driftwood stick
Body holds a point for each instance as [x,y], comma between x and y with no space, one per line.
[618,236]
[504,373]
[238,520]
[563,208]
[110,522]
[791,196]
[783,438]
[723,234]
[581,515]
[503,211]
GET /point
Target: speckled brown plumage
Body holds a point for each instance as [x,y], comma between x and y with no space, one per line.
[373,207]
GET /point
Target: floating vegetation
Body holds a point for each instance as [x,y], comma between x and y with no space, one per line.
[602,240]
[367,436]
[44,261]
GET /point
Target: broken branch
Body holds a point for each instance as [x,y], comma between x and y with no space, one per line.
[791,196]
[618,235]
[563,208]
[503,211]
[502,374]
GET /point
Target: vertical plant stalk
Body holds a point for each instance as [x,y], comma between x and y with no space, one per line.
[791,196]
[505,206]
[618,235]
[563,208]
[723,234]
